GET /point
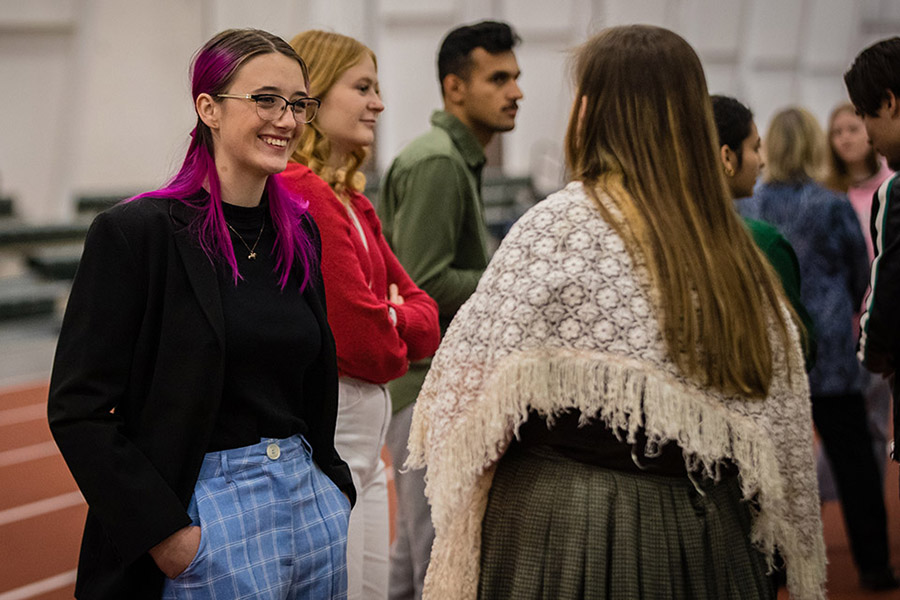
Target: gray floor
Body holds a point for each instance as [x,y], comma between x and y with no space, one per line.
[26,350]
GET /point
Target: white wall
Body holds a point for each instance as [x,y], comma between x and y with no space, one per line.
[96,96]
[36,39]
[132,108]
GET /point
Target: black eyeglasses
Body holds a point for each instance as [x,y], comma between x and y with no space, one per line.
[270,107]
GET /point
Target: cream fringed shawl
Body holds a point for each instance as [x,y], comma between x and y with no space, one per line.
[562,319]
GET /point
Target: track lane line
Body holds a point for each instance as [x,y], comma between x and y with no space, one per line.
[27,453]
[23,414]
[40,587]
[41,507]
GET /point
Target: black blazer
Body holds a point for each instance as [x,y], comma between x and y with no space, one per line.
[137,382]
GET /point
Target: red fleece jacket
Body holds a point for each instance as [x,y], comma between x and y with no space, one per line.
[369,346]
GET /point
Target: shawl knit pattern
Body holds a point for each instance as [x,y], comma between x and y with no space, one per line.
[563,319]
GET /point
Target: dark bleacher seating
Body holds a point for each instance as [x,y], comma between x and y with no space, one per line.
[40,259]
[91,205]
[6,207]
[505,200]
[15,235]
[55,263]
[26,296]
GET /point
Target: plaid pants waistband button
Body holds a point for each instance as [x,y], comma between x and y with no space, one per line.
[273,451]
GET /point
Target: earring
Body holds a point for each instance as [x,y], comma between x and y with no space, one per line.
[729,171]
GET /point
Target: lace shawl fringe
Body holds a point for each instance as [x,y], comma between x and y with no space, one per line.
[461,461]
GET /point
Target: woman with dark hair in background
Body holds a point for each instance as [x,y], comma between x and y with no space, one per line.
[823,229]
[194,390]
[739,150]
[380,319]
[620,410]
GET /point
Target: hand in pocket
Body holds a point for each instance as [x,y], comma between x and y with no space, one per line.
[176,552]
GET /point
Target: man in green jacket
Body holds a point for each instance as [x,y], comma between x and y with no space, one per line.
[432,215]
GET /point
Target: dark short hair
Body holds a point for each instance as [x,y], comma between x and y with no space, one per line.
[455,58]
[874,71]
[733,121]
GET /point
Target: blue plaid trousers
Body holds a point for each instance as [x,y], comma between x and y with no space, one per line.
[272,526]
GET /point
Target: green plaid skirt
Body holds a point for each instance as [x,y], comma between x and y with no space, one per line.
[559,529]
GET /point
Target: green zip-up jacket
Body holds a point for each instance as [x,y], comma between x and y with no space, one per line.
[783,259]
[432,215]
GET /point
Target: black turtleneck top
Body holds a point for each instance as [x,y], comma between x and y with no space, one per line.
[271,337]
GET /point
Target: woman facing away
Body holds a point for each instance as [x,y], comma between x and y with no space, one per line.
[380,319]
[621,409]
[194,389]
[823,229]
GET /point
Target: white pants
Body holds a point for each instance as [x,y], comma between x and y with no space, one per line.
[364,412]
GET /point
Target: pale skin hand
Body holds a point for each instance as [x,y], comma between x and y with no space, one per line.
[175,553]
[394,296]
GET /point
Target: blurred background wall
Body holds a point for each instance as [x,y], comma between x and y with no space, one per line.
[95,96]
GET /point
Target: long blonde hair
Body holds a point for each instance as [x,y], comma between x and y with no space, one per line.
[795,147]
[838,177]
[642,131]
[329,55]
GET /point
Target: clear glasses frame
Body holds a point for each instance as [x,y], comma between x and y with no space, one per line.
[270,107]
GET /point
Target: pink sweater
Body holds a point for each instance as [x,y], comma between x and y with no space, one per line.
[861,198]
[369,346]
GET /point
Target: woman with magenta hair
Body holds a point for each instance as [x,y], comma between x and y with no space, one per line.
[380,319]
[194,389]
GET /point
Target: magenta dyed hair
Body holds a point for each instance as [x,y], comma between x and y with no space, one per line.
[213,70]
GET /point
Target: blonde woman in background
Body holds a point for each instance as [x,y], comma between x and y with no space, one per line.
[823,229]
[620,410]
[380,319]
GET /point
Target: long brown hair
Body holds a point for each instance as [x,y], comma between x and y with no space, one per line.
[838,177]
[329,55]
[642,131]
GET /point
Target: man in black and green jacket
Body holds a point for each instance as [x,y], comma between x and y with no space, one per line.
[873,83]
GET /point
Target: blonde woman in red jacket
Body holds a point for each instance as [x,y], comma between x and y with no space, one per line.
[380,319]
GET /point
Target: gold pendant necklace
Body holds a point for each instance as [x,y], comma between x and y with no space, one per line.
[252,250]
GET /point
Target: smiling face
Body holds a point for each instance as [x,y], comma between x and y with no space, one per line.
[848,137]
[487,100]
[350,110]
[248,149]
